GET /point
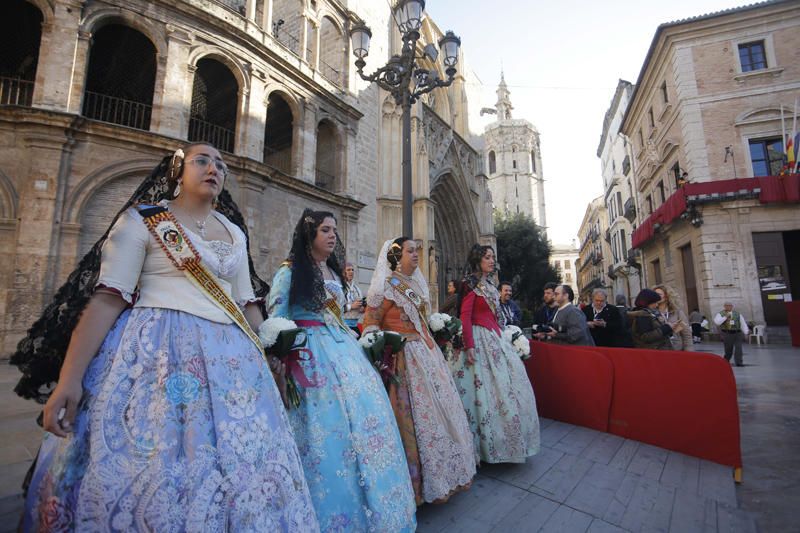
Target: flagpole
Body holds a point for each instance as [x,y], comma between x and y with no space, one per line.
[794,134]
[783,130]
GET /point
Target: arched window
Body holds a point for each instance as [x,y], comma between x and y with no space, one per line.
[492,162]
[278,131]
[332,52]
[326,175]
[287,23]
[121,77]
[20,35]
[215,97]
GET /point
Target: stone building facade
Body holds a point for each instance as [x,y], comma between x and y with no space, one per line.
[617,165]
[564,258]
[514,162]
[594,249]
[96,93]
[706,115]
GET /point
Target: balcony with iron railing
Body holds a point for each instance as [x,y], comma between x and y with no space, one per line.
[290,41]
[16,91]
[116,110]
[201,130]
[280,159]
[331,74]
[325,180]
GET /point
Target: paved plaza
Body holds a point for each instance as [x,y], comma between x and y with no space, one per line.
[583,480]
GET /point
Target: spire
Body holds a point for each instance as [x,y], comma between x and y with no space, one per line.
[503,104]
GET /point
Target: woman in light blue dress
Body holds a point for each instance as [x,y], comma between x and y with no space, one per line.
[165,416]
[344,426]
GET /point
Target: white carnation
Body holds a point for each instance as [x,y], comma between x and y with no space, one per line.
[514,336]
[438,321]
[509,332]
[269,330]
[523,346]
[368,339]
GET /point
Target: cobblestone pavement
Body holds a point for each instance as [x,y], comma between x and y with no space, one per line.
[582,480]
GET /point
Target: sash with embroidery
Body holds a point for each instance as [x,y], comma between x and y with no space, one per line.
[180,250]
[409,294]
[333,308]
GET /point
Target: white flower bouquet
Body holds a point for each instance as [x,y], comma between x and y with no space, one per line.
[446,331]
[514,336]
[381,348]
[281,337]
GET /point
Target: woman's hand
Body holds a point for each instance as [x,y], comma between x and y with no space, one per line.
[470,356]
[62,406]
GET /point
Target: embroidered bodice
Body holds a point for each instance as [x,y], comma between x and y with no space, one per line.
[132,260]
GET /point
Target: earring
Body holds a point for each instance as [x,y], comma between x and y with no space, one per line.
[177,190]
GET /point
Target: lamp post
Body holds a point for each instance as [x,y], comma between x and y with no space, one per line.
[406,82]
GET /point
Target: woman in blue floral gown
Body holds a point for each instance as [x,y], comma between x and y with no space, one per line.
[166,416]
[344,426]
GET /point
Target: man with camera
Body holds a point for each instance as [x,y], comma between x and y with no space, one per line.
[545,314]
[569,323]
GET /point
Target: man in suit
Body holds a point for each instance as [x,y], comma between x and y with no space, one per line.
[605,322]
[569,322]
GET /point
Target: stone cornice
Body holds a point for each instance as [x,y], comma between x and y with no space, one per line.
[48,127]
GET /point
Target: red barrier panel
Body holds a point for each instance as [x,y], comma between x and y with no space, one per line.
[682,401]
[571,384]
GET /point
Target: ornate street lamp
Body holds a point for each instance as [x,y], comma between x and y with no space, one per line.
[405,80]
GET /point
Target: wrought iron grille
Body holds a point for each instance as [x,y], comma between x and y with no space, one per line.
[215,97]
[117,110]
[222,138]
[121,77]
[16,91]
[325,180]
[331,74]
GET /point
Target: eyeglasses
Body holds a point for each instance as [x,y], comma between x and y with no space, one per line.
[203,161]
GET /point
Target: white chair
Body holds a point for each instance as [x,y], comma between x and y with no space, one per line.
[760,333]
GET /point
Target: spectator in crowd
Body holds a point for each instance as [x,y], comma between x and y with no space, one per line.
[569,322]
[648,327]
[696,321]
[354,308]
[604,321]
[546,313]
[450,304]
[622,307]
[509,309]
[670,308]
[733,328]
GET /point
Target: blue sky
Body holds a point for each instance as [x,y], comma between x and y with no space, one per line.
[562,60]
